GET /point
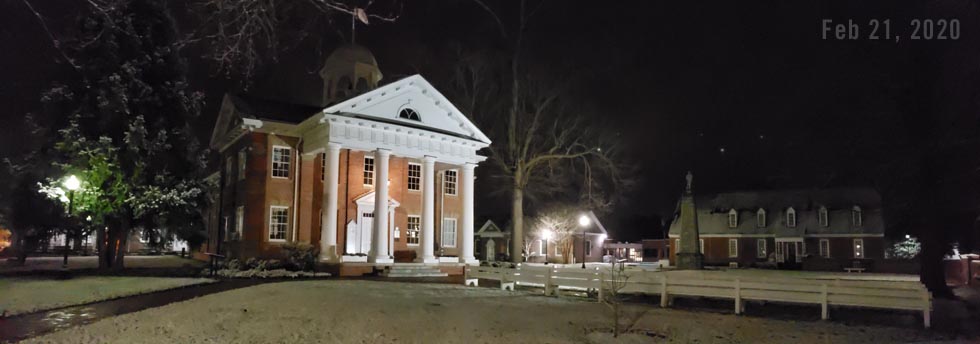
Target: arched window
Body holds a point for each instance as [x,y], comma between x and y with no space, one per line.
[760,217]
[408,113]
[732,218]
[344,86]
[856,219]
[823,217]
[790,217]
[362,85]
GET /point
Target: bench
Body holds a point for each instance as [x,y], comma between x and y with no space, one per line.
[857,270]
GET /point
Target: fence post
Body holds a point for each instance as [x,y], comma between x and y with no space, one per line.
[926,307]
[824,311]
[663,295]
[547,283]
[738,297]
[598,275]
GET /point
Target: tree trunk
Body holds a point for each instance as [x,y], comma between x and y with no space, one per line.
[517,218]
[122,241]
[101,247]
[932,269]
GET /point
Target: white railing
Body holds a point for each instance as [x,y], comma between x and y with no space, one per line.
[823,291]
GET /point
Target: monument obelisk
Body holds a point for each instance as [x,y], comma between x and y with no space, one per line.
[689,253]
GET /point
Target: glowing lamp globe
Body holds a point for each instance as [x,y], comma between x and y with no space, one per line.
[583,221]
[72,183]
[546,234]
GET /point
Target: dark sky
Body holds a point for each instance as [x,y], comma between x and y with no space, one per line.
[745,94]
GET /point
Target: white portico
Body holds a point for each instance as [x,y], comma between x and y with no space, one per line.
[408,118]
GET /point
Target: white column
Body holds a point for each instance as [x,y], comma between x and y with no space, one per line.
[328,220]
[379,242]
[428,210]
[466,255]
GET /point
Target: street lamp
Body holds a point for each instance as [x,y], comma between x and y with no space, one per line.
[583,221]
[72,184]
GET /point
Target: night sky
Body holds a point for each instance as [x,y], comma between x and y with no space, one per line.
[746,94]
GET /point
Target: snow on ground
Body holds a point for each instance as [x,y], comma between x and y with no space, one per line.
[26,295]
[357,311]
[92,262]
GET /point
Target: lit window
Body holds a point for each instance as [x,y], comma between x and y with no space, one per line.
[858,248]
[278,223]
[732,218]
[449,182]
[239,221]
[760,217]
[242,157]
[790,217]
[368,171]
[409,113]
[280,161]
[414,223]
[732,248]
[856,216]
[760,248]
[822,216]
[540,247]
[414,176]
[825,248]
[449,233]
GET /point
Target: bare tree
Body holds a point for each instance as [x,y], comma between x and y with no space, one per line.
[538,134]
[611,296]
[561,222]
[243,33]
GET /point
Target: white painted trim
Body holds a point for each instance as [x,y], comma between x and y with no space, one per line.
[734,235]
[272,161]
[732,254]
[408,229]
[269,224]
[442,231]
[374,170]
[408,170]
[857,245]
[455,182]
[764,251]
[820,250]
[855,235]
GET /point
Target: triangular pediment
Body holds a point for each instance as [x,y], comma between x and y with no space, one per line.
[434,111]
[368,199]
[228,120]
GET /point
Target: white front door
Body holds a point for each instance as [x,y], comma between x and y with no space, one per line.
[490,251]
[367,225]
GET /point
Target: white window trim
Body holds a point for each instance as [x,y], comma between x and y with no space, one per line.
[455,231]
[323,166]
[701,246]
[732,218]
[823,217]
[541,247]
[272,161]
[760,218]
[858,246]
[239,221]
[408,230]
[271,214]
[857,216]
[557,251]
[374,171]
[731,253]
[761,249]
[824,253]
[408,177]
[793,223]
[588,248]
[455,182]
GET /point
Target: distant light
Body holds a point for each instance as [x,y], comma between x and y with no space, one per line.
[88,218]
[908,236]
[546,234]
[722,150]
[584,221]
[599,149]
[762,137]
[72,183]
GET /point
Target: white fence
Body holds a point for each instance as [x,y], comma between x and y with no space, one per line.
[826,292]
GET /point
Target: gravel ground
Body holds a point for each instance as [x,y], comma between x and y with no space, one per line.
[26,295]
[352,311]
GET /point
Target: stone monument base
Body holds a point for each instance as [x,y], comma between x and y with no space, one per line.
[690,261]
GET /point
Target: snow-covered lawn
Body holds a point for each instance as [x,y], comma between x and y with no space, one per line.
[352,311]
[92,262]
[25,295]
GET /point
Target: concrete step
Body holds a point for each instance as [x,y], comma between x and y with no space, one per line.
[413,271]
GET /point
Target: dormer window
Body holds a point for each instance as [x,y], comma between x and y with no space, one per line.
[760,217]
[732,218]
[409,113]
[790,217]
[856,216]
[822,217]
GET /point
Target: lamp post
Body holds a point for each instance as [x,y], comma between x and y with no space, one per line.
[583,221]
[72,184]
